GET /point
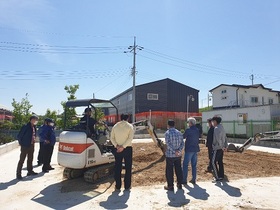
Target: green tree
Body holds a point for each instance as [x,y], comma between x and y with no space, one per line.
[70,112]
[6,125]
[51,114]
[21,111]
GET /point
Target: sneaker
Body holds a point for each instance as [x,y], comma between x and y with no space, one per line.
[192,181]
[217,180]
[169,188]
[31,173]
[45,171]
[179,186]
[19,177]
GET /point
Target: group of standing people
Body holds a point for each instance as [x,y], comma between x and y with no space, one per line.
[121,137]
[216,144]
[26,139]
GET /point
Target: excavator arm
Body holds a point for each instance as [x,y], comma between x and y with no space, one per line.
[246,145]
[146,124]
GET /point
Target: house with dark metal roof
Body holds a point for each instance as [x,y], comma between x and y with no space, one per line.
[162,95]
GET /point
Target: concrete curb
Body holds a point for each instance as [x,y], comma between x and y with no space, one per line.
[8,147]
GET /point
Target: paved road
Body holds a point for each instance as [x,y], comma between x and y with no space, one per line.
[50,191]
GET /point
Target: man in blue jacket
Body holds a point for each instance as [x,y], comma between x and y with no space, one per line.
[191,149]
[40,153]
[48,137]
[26,139]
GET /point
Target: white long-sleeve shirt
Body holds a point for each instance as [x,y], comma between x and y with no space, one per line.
[122,134]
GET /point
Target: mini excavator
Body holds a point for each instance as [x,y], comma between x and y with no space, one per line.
[252,140]
[84,154]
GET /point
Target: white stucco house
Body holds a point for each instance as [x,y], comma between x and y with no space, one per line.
[245,109]
[228,96]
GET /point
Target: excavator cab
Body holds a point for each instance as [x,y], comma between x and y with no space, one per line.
[82,149]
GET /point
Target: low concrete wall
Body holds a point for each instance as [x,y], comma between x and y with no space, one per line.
[8,147]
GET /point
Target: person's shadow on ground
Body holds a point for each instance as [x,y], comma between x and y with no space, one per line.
[116,201]
[230,190]
[5,185]
[197,192]
[177,199]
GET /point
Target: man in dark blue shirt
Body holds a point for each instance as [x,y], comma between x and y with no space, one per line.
[47,135]
[191,149]
[209,142]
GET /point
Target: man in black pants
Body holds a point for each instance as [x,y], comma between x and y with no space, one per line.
[121,137]
[41,141]
[49,139]
[26,139]
[209,142]
[219,146]
[174,146]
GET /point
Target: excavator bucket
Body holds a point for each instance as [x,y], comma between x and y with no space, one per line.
[246,145]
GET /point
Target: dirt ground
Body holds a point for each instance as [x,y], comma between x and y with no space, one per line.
[149,168]
[149,165]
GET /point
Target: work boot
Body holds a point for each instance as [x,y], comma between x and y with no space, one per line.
[168,188]
[192,181]
[31,173]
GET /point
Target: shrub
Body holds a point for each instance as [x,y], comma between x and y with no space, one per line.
[4,138]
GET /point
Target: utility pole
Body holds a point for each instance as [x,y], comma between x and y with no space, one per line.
[133,73]
[252,78]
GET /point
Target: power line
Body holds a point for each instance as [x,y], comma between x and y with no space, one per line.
[191,63]
[65,34]
[52,49]
[201,67]
[63,46]
[196,70]
[60,75]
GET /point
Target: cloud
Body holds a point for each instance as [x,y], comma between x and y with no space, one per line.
[29,20]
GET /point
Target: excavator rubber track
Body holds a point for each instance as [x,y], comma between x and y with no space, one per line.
[70,173]
[99,173]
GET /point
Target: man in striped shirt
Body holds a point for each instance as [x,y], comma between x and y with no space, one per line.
[174,146]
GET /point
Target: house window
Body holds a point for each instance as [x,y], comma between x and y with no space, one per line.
[224,97]
[270,101]
[152,96]
[224,91]
[130,97]
[118,102]
[254,99]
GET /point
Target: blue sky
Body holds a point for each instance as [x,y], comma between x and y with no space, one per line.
[45,45]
